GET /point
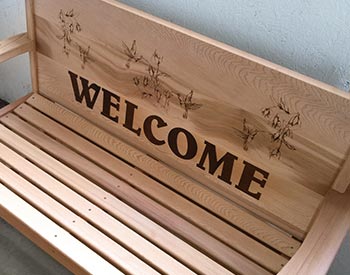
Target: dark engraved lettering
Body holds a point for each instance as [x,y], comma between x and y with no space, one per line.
[85,93]
[108,104]
[129,118]
[227,160]
[191,143]
[223,164]
[147,128]
[248,176]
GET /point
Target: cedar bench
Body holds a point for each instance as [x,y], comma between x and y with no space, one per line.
[146,148]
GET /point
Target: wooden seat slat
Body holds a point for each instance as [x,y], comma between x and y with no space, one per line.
[94,215]
[224,209]
[179,249]
[71,252]
[206,243]
[99,242]
[239,241]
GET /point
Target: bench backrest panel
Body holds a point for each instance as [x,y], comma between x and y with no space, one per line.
[245,128]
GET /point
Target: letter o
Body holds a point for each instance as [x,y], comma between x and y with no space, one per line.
[191,143]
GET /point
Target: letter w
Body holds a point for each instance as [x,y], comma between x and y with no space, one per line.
[85,93]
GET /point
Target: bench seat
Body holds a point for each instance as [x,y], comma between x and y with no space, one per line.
[126,206]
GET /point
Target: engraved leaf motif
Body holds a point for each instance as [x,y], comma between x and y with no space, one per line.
[187,104]
[61,16]
[70,13]
[282,121]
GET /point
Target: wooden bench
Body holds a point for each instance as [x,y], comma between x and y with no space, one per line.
[146,148]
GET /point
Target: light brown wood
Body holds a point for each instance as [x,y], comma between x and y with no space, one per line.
[342,182]
[211,201]
[15,46]
[32,37]
[285,203]
[325,237]
[9,108]
[106,223]
[223,81]
[100,218]
[197,238]
[203,219]
[104,188]
[65,248]
[106,247]
[129,216]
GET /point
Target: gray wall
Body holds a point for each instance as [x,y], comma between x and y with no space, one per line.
[308,36]
[14,74]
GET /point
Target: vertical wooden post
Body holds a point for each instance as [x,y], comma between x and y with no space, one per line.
[32,37]
[342,180]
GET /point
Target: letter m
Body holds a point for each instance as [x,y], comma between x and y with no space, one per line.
[90,98]
[227,161]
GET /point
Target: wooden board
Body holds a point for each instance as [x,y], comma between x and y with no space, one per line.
[217,255]
[14,46]
[322,244]
[56,241]
[93,214]
[287,137]
[214,203]
[183,207]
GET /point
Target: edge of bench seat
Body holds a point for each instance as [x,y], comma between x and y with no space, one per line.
[9,108]
[56,241]
[322,243]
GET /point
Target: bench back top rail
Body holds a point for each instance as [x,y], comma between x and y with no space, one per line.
[256,133]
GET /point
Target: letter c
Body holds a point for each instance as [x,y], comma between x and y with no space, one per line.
[147,127]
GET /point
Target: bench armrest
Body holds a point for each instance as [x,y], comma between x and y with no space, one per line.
[322,243]
[15,46]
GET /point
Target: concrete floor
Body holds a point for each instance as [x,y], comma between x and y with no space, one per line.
[19,256]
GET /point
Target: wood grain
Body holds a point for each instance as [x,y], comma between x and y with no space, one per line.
[144,226]
[207,244]
[184,185]
[283,200]
[228,86]
[342,181]
[242,87]
[96,216]
[84,231]
[325,237]
[9,108]
[15,46]
[32,37]
[201,218]
[65,248]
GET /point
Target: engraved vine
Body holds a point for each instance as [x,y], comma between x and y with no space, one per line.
[69,25]
[151,82]
[283,123]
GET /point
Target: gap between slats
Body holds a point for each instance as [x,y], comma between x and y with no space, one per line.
[65,248]
[235,216]
[93,214]
[201,262]
[153,189]
[107,248]
[198,235]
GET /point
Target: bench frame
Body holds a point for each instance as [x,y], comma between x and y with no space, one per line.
[313,257]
